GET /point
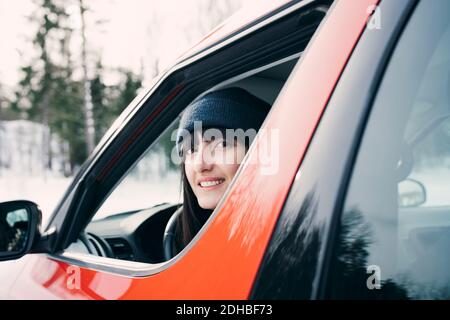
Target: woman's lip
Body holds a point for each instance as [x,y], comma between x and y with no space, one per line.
[222,180]
[209,179]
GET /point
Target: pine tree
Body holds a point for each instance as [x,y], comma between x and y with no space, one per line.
[38,89]
[89,122]
[50,94]
[128,91]
[101,104]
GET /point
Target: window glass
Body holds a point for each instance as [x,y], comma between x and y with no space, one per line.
[154,179]
[394,231]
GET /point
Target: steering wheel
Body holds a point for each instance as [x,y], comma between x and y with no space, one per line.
[169,248]
[89,246]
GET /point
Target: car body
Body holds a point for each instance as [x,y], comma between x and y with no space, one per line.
[274,235]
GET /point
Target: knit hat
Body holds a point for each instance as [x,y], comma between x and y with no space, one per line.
[230,108]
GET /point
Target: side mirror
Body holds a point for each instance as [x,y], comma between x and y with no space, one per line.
[411,193]
[20,223]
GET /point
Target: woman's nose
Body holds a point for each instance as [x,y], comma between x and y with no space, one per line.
[203,160]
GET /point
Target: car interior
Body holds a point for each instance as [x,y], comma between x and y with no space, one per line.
[138,235]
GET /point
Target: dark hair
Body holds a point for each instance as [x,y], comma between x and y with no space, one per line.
[192,217]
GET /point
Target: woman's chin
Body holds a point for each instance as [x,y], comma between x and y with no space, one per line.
[208,204]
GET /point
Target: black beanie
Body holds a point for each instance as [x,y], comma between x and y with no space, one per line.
[230,108]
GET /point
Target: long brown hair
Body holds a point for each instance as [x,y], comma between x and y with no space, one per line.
[192,217]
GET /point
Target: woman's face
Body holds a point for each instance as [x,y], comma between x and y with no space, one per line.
[210,165]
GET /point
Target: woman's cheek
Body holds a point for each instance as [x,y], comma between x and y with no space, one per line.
[189,174]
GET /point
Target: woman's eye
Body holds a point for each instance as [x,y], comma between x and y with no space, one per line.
[219,145]
[227,143]
[190,150]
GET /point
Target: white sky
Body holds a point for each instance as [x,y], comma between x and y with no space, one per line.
[12,25]
[128,39]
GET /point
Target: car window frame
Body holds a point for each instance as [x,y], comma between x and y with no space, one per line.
[79,193]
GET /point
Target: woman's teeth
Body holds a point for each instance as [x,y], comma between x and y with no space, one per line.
[206,184]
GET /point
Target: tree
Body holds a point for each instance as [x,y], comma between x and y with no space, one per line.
[5,110]
[100,103]
[89,122]
[109,101]
[41,78]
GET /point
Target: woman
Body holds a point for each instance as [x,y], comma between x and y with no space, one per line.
[214,134]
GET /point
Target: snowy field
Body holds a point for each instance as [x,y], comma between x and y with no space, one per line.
[44,191]
[23,175]
[131,194]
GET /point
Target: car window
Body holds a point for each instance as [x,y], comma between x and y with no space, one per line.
[394,231]
[142,218]
[129,225]
[152,180]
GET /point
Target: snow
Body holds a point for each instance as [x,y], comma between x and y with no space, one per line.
[44,191]
[23,175]
[22,165]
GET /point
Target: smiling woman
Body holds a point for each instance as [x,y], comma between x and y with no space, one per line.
[214,135]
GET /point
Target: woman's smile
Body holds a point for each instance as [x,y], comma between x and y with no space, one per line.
[210,182]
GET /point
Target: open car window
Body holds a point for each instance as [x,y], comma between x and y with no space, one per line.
[130,223]
[110,219]
[154,179]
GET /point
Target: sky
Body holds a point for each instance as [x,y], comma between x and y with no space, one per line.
[133,33]
[12,30]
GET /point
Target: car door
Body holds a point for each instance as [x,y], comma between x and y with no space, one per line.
[370,202]
[224,261]
[394,226]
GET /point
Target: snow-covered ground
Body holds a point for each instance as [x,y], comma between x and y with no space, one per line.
[44,191]
[22,165]
[23,173]
[131,194]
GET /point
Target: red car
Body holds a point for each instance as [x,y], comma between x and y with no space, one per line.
[350,201]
